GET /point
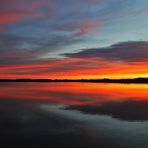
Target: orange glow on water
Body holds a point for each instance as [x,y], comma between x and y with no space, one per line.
[73,93]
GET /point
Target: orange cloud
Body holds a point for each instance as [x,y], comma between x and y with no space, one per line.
[77,68]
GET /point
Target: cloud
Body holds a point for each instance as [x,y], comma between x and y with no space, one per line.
[85,28]
[125,52]
[30,66]
[12,12]
[104,62]
[18,49]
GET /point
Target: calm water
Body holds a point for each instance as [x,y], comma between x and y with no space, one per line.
[73,115]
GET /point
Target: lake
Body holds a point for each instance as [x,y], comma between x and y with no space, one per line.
[73,115]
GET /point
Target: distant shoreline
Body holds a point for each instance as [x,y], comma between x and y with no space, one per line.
[126,81]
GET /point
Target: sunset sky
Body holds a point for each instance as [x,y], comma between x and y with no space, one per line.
[73,39]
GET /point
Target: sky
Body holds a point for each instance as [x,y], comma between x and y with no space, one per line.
[73,39]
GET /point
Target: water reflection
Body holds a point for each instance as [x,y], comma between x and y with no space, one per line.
[73,93]
[73,115]
[122,110]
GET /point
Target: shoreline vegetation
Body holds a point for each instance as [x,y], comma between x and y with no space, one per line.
[105,80]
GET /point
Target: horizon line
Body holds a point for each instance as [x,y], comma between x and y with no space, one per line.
[138,80]
[73,79]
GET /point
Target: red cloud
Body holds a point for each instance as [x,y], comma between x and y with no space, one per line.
[17,10]
[13,17]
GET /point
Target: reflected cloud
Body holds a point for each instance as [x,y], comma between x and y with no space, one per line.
[122,110]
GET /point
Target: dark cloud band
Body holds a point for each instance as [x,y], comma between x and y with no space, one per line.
[124,52]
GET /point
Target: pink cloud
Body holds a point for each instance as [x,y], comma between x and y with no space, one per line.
[86,28]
